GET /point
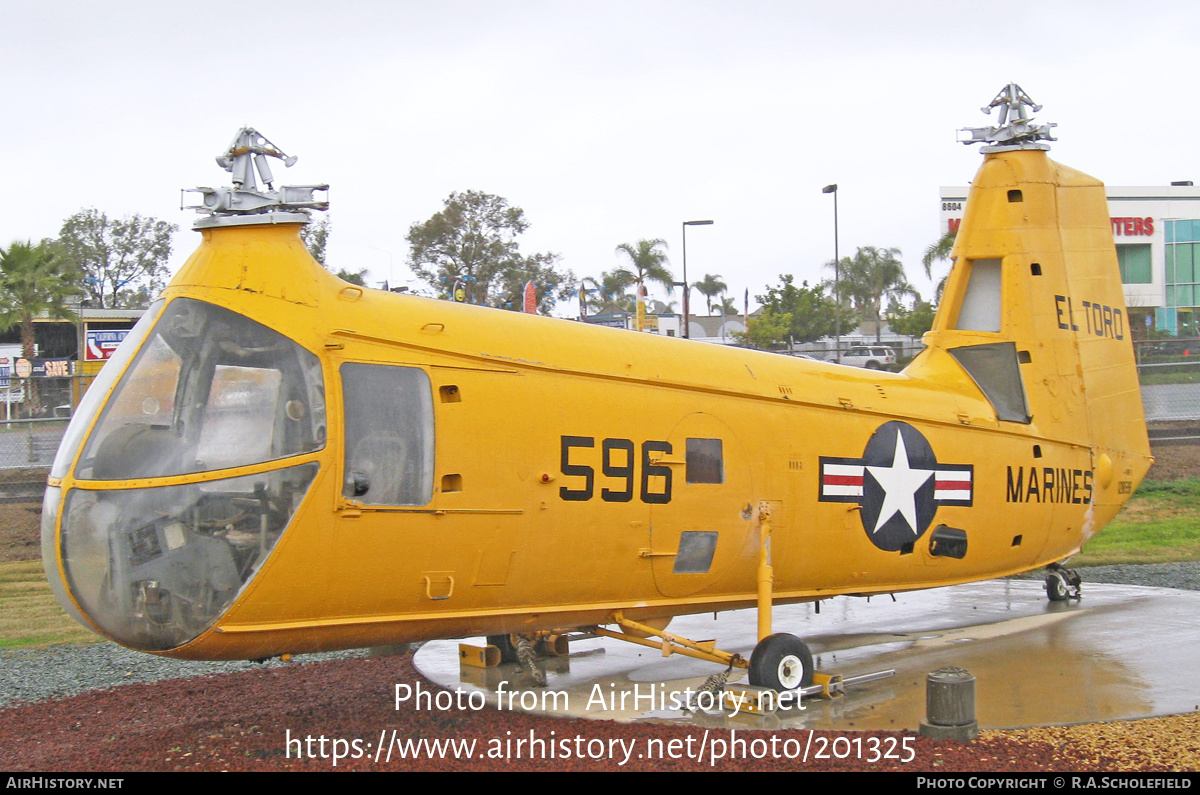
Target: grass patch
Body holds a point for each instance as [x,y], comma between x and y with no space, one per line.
[1160,524]
[1169,378]
[30,616]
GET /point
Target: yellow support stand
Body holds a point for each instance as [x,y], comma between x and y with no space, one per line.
[831,685]
[669,644]
[478,656]
[765,572]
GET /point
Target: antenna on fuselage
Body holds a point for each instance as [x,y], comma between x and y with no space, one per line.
[245,203]
[1016,129]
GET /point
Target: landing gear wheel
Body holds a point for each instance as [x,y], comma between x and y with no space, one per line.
[781,662]
[1056,587]
[1063,583]
[508,650]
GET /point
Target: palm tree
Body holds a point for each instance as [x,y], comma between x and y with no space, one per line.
[33,281]
[612,288]
[647,263]
[937,252]
[870,279]
[710,287]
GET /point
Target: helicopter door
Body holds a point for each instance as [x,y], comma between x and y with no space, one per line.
[704,532]
[388,434]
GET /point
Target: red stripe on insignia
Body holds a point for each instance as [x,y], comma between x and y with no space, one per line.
[843,480]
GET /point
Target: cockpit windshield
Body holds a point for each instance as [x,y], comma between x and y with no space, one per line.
[155,567]
[210,389]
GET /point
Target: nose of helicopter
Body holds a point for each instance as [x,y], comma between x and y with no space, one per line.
[153,568]
[180,472]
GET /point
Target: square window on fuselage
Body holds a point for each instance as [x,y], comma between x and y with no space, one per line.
[704,462]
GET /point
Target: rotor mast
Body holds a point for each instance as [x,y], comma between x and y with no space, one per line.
[1016,128]
[245,203]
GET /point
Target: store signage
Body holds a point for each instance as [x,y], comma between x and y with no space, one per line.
[611,322]
[54,368]
[101,344]
[1121,227]
[1130,227]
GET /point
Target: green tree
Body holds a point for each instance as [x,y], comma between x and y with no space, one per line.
[810,313]
[612,291]
[123,262]
[939,252]
[34,282]
[870,278]
[646,263]
[473,239]
[767,331]
[911,322]
[353,277]
[710,287]
[551,284]
[315,236]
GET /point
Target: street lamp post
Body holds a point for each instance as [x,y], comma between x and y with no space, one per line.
[837,290]
[684,286]
[687,290]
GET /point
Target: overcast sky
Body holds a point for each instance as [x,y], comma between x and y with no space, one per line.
[606,122]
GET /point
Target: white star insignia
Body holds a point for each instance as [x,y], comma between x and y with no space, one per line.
[900,483]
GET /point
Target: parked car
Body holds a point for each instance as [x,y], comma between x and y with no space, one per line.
[870,357]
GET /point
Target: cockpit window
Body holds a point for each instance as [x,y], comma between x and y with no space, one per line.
[156,567]
[389,434]
[93,399]
[210,389]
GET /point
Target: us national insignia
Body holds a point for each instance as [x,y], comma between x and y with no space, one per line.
[899,484]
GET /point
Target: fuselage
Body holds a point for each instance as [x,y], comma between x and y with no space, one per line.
[281,462]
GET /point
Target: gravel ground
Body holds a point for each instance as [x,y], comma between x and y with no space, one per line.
[38,674]
[1182,576]
[34,675]
[243,718]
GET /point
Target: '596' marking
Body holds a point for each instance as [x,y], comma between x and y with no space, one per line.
[618,463]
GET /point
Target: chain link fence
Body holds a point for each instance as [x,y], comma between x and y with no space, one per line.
[33,416]
[1169,372]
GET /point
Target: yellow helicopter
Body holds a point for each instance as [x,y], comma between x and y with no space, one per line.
[276,461]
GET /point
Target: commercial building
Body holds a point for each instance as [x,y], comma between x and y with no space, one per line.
[67,354]
[702,328]
[1157,232]
[90,340]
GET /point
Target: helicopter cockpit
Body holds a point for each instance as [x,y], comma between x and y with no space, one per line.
[183,484]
